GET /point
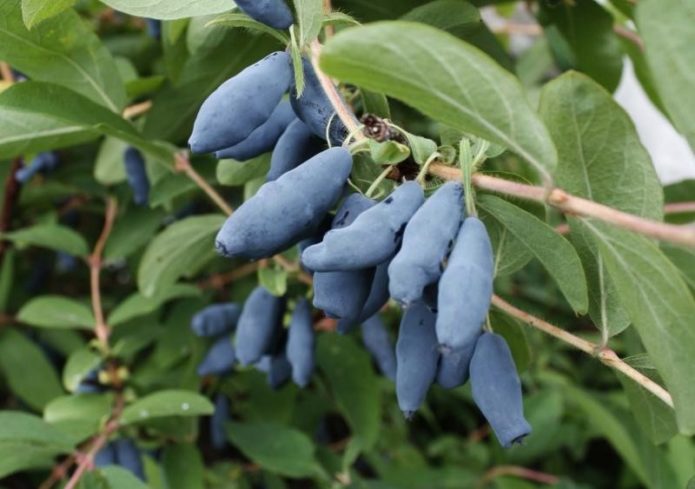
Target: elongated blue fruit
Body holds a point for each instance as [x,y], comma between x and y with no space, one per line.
[218,420]
[137,175]
[273,13]
[42,163]
[378,297]
[454,367]
[264,137]
[220,358]
[301,343]
[427,240]
[378,343]
[128,457]
[314,108]
[296,145]
[465,289]
[241,104]
[343,294]
[280,370]
[372,239]
[216,319]
[497,389]
[105,456]
[258,325]
[287,210]
[417,355]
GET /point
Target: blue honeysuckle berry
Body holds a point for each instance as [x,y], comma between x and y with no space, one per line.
[273,13]
[136,173]
[218,420]
[296,145]
[301,344]
[378,343]
[216,319]
[220,358]
[129,457]
[258,326]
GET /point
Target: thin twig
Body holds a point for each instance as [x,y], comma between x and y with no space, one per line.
[516,471]
[12,189]
[101,329]
[329,30]
[136,110]
[558,198]
[605,355]
[679,208]
[629,35]
[218,281]
[6,72]
[183,164]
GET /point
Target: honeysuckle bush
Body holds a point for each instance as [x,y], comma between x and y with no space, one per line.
[108,228]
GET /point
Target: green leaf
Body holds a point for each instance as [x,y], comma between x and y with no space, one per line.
[109,168]
[453,16]
[275,447]
[120,478]
[183,467]
[309,17]
[132,232]
[54,311]
[138,305]
[274,279]
[80,363]
[236,174]
[81,415]
[36,11]
[348,369]
[62,50]
[444,78]
[6,278]
[660,306]
[588,31]
[170,9]
[28,442]
[51,236]
[176,250]
[510,255]
[388,152]
[598,146]
[29,374]
[239,20]
[58,117]
[655,418]
[666,29]
[550,248]
[167,403]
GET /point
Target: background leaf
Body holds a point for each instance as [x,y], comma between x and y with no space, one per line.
[54,311]
[36,11]
[309,17]
[52,236]
[170,9]
[167,403]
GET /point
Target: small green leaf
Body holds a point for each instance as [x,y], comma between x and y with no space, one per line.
[310,18]
[51,236]
[120,478]
[388,152]
[80,364]
[6,278]
[138,305]
[54,311]
[236,174]
[421,148]
[177,251]
[275,447]
[352,381]
[29,374]
[28,442]
[132,232]
[274,280]
[444,78]
[555,253]
[36,11]
[183,467]
[167,403]
[109,168]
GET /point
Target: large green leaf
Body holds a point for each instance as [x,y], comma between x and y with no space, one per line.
[167,403]
[121,478]
[588,31]
[27,442]
[666,27]
[82,415]
[36,11]
[51,236]
[55,311]
[275,447]
[444,78]
[602,159]
[170,9]
[29,374]
[351,378]
[555,253]
[183,467]
[62,50]
[660,306]
[176,251]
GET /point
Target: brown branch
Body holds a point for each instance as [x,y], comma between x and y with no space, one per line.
[629,35]
[516,471]
[218,281]
[605,355]
[12,189]
[136,110]
[183,164]
[101,329]
[679,208]
[6,72]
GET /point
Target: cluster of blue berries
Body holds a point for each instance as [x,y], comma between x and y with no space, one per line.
[424,253]
[42,163]
[124,453]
